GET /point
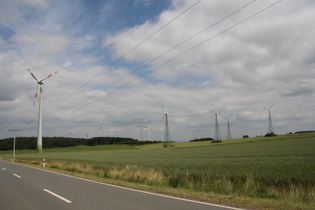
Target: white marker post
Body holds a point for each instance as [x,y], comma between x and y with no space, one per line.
[44,163]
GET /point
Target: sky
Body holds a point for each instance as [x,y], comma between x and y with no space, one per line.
[120,62]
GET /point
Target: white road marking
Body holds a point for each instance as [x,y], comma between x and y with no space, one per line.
[58,196]
[17,176]
[3,169]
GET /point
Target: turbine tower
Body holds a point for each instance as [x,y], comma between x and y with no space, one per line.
[228,135]
[167,135]
[103,128]
[270,126]
[217,137]
[39,131]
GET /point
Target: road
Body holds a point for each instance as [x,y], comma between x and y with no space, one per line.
[25,187]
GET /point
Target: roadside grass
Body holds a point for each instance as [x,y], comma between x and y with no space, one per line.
[81,148]
[262,173]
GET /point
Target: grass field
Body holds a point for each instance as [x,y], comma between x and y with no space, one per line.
[263,173]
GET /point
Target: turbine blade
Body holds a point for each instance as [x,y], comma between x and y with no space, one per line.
[49,76]
[271,106]
[163,116]
[36,94]
[163,109]
[214,112]
[32,75]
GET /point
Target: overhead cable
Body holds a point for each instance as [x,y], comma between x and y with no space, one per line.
[124,55]
[180,54]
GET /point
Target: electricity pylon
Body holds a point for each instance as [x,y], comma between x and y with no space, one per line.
[270,126]
[217,137]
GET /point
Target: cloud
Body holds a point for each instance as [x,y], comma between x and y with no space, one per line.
[268,59]
[144,2]
[41,43]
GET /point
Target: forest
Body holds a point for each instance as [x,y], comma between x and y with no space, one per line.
[29,143]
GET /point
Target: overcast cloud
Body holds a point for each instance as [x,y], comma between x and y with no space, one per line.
[189,65]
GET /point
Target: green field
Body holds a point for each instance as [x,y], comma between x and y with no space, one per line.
[265,173]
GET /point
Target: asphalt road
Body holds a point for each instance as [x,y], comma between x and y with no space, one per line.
[24,187]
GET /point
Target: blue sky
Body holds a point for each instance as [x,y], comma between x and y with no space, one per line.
[189,63]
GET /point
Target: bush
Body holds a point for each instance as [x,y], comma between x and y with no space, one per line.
[270,134]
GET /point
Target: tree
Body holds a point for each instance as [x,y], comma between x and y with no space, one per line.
[270,134]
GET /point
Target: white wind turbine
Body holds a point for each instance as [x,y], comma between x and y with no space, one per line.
[167,135]
[217,137]
[103,128]
[149,130]
[39,89]
[107,133]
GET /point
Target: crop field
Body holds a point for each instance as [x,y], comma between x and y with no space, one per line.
[267,173]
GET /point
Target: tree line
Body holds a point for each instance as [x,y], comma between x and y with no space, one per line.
[30,143]
[202,139]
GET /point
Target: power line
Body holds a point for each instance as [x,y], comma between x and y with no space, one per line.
[190,49]
[124,55]
[184,52]
[161,55]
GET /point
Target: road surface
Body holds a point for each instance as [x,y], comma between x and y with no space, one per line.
[25,187]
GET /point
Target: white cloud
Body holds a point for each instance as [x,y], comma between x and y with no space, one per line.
[266,60]
[40,43]
[145,2]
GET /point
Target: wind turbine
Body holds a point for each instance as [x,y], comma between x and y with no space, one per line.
[141,128]
[228,135]
[270,126]
[39,88]
[217,137]
[107,131]
[167,135]
[103,128]
[149,130]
